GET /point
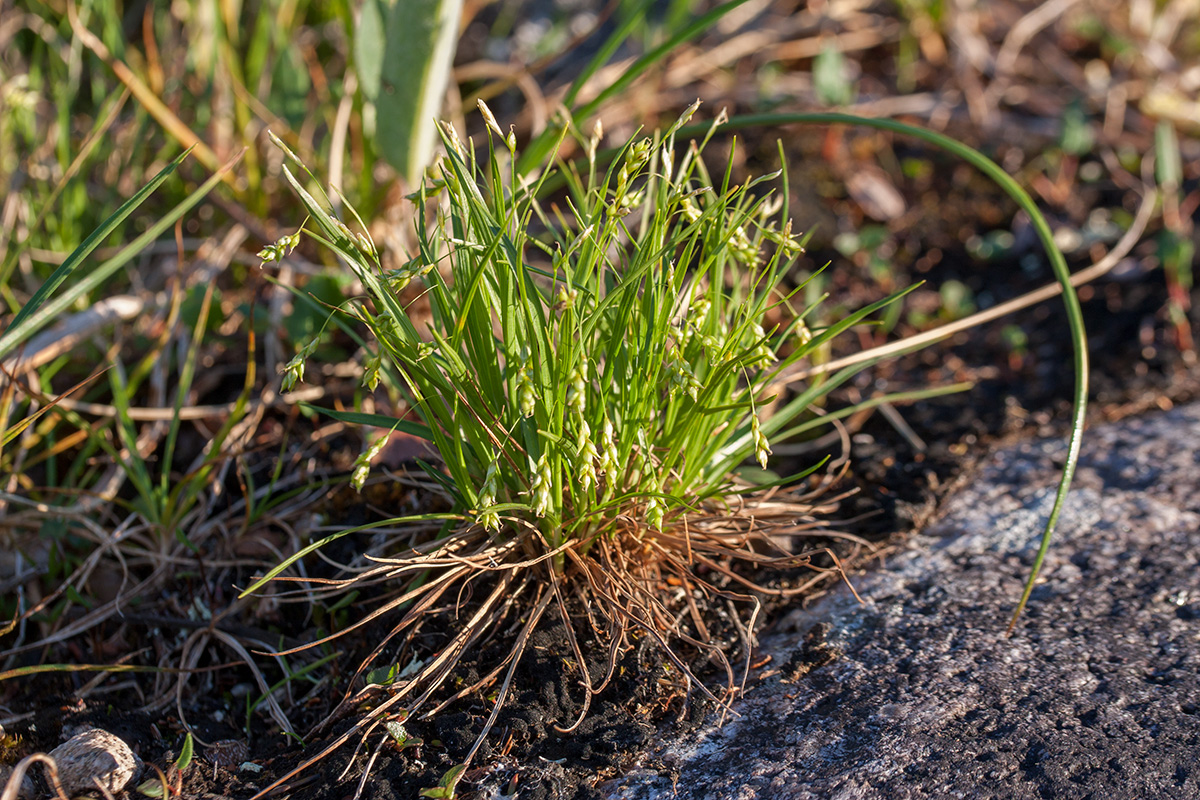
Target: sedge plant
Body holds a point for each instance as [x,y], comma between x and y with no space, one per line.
[593,375]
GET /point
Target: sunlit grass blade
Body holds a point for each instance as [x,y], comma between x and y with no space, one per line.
[893,398]
[539,151]
[279,568]
[1057,262]
[632,20]
[36,315]
[15,332]
[372,420]
[13,431]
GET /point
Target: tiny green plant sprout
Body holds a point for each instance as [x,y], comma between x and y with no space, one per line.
[598,376]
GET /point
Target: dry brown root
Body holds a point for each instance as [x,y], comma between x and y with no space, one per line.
[624,584]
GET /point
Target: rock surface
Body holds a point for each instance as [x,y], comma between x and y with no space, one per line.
[919,693]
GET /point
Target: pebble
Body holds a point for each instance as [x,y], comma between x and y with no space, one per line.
[95,756]
[227,753]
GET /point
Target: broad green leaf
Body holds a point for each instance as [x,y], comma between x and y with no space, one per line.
[445,788]
[291,87]
[1169,166]
[419,41]
[185,753]
[1076,137]
[832,85]
[369,42]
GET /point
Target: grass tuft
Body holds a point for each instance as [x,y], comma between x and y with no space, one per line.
[593,375]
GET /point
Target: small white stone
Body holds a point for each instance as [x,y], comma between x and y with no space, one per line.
[94,757]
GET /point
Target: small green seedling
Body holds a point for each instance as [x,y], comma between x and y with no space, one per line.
[400,735]
[164,786]
[445,788]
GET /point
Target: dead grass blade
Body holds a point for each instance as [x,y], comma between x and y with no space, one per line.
[12,789]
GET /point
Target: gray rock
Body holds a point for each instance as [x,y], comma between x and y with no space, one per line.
[918,692]
[95,759]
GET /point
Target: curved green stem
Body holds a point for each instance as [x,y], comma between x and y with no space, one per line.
[1057,262]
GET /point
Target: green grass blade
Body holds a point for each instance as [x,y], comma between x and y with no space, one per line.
[1057,262]
[606,51]
[696,27]
[538,150]
[788,480]
[15,334]
[317,545]
[44,312]
[373,421]
[895,397]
